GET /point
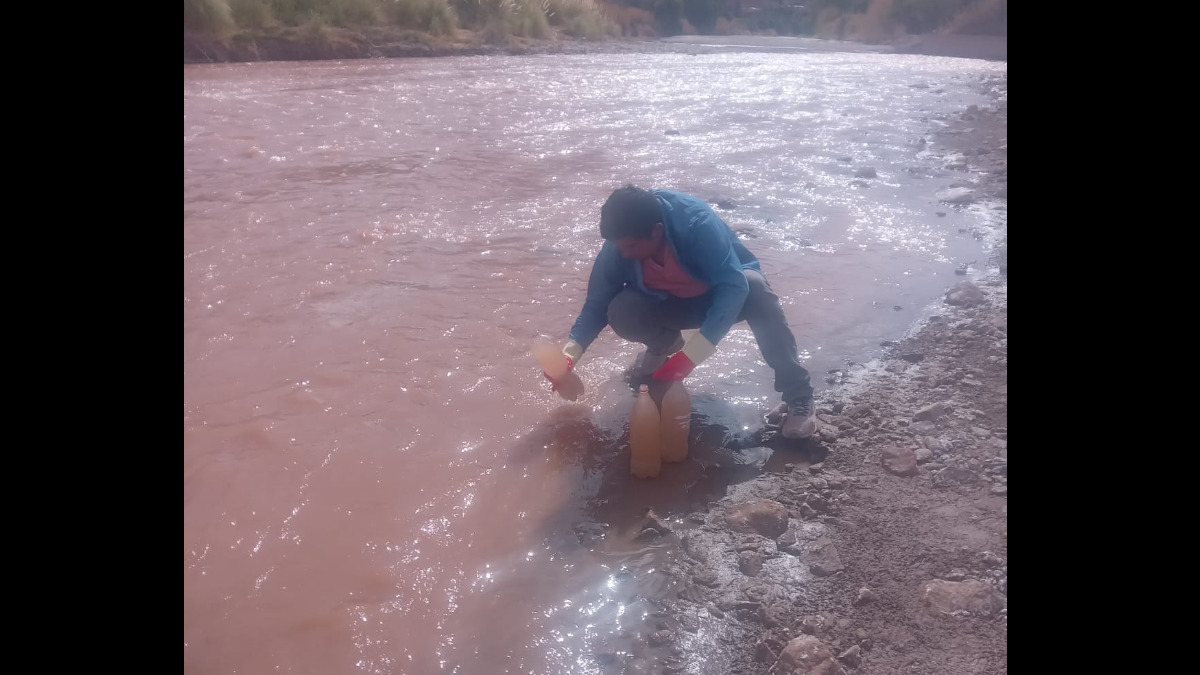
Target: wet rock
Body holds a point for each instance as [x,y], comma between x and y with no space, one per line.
[774,615]
[659,638]
[851,657]
[865,597]
[990,560]
[806,655]
[750,563]
[955,575]
[964,294]
[942,597]
[748,544]
[695,547]
[999,490]
[930,413]
[589,533]
[864,639]
[862,410]
[839,523]
[923,455]
[689,623]
[958,195]
[706,577]
[859,183]
[727,204]
[647,534]
[653,522]
[763,516]
[899,461]
[714,610]
[757,593]
[672,132]
[835,480]
[763,653]
[954,475]
[818,503]
[822,558]
[936,445]
[913,357]
[865,172]
[787,543]
[692,593]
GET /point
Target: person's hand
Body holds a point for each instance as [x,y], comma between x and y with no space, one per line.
[556,383]
[676,368]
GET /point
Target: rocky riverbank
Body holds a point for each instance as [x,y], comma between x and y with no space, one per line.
[888,554]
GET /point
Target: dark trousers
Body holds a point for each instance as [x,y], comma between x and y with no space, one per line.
[638,317]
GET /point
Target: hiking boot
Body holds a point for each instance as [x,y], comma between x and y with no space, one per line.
[801,420]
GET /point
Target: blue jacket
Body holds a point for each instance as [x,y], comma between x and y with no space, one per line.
[704,246]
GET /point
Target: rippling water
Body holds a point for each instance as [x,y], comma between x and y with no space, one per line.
[375,478]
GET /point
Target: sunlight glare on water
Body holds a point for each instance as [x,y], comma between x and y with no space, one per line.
[376,477]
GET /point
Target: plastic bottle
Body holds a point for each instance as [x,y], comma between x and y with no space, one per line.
[645,459]
[551,359]
[676,417]
[554,364]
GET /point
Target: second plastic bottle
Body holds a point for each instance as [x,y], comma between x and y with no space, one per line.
[676,416]
[645,458]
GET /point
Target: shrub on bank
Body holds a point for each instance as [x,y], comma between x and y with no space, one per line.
[497,20]
[501,21]
[210,16]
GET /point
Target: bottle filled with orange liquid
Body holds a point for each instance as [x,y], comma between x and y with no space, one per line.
[676,419]
[645,429]
[554,364]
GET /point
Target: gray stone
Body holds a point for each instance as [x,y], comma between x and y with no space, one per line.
[750,563]
[774,615]
[964,294]
[822,558]
[865,596]
[806,655]
[763,516]
[958,195]
[851,657]
[900,461]
[706,577]
[931,412]
[952,475]
[955,575]
[971,596]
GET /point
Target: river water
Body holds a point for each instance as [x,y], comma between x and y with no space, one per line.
[376,478]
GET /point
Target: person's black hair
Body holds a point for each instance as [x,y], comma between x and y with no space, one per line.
[629,212]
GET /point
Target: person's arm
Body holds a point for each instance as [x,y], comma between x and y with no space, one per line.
[603,285]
